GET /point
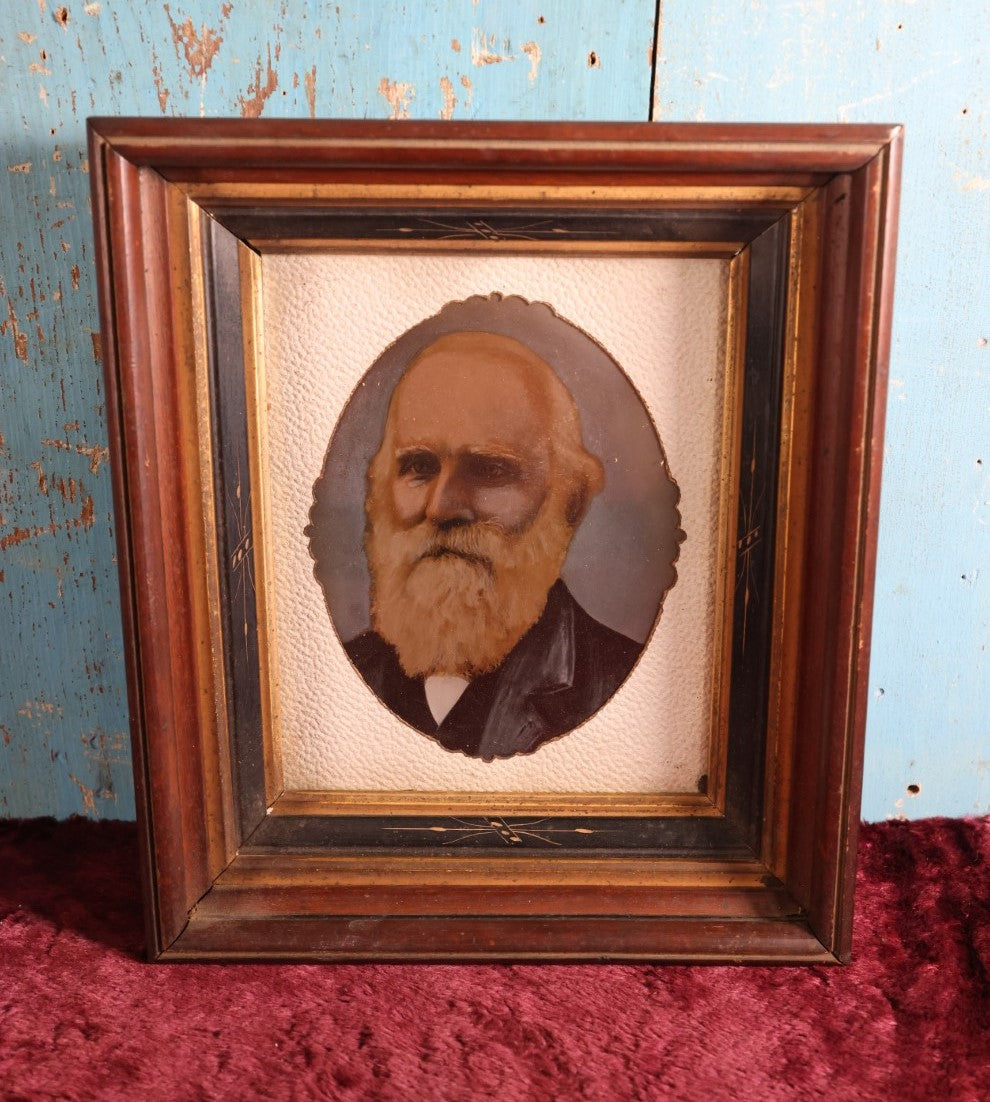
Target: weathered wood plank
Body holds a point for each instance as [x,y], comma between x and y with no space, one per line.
[921,64]
[63,712]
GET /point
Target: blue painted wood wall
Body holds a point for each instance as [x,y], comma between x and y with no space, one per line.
[63,714]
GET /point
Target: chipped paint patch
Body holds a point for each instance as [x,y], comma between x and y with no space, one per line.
[103,742]
[95,453]
[69,490]
[87,793]
[310,82]
[483,50]
[532,51]
[42,477]
[38,709]
[12,323]
[93,9]
[258,93]
[24,166]
[969,181]
[12,539]
[88,515]
[449,99]
[85,520]
[398,96]
[469,88]
[455,45]
[156,75]
[199,49]
[26,36]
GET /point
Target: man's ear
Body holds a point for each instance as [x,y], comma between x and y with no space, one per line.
[589,481]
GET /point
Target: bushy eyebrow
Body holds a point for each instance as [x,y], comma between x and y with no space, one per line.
[494,451]
[416,449]
[408,458]
[483,451]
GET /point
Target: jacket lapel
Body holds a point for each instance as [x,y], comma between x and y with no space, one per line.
[532,682]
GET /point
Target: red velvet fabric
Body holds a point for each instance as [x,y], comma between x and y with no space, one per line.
[82,1017]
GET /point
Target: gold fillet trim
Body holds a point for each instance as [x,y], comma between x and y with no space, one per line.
[338,803]
[512,804]
[719,250]
[684,195]
[731,437]
[797,396]
[256,401]
[187,242]
[539,870]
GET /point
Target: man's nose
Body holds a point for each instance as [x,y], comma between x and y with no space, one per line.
[450,498]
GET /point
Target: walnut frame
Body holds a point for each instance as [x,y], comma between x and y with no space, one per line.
[760,866]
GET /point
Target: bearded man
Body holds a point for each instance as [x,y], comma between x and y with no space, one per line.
[473,497]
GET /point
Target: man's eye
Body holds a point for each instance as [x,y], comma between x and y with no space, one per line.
[418,465]
[493,470]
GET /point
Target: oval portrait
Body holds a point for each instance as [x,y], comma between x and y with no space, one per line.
[495,527]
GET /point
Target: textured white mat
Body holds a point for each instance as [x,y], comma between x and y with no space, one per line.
[327,318]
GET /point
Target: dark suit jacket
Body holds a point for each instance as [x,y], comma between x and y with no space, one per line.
[561,672]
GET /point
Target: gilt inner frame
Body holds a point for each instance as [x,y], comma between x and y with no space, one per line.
[757,253]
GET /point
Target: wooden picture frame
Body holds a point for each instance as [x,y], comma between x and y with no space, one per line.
[755,865]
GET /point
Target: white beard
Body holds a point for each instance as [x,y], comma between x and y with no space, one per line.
[457,601]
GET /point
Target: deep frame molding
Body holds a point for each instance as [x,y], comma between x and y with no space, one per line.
[225,877]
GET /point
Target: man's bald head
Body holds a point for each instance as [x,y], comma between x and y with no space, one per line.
[482,425]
